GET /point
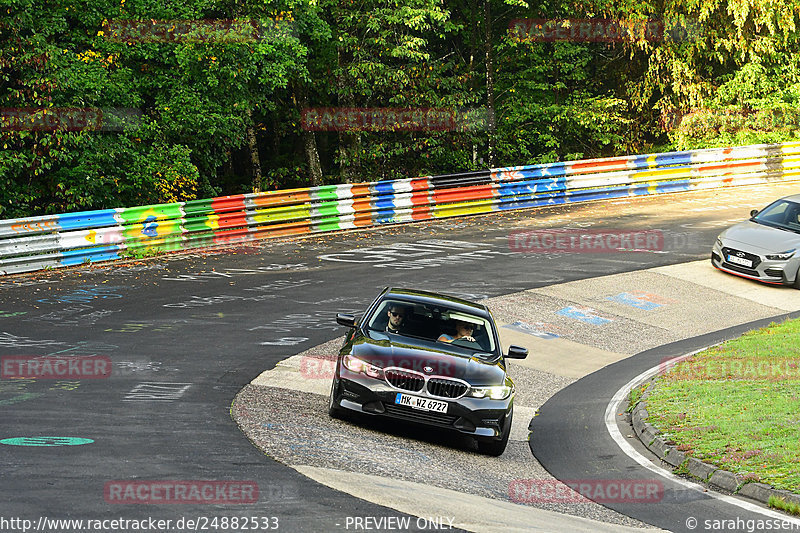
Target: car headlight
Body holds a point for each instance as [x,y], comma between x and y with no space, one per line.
[354,364]
[498,392]
[783,256]
[719,242]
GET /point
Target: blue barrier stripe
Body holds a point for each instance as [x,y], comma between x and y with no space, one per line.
[87,219]
[77,257]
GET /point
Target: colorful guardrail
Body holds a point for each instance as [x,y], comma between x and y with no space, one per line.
[52,241]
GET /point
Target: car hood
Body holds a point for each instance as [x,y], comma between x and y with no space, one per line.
[384,352]
[761,238]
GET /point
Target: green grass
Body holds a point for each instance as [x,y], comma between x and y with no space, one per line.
[636,395]
[783,505]
[139,253]
[737,405]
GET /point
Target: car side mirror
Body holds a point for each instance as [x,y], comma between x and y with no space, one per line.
[344,319]
[753,213]
[517,352]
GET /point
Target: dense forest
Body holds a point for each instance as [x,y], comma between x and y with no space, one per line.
[114,103]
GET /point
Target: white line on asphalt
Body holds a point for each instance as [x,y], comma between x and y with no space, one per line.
[611,425]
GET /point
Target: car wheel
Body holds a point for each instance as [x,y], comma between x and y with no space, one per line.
[334,411]
[496,448]
[796,284]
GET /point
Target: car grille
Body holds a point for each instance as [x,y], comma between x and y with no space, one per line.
[774,272]
[428,417]
[744,255]
[446,388]
[404,379]
[436,386]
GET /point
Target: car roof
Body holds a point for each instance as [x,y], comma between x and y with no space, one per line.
[434,298]
[792,198]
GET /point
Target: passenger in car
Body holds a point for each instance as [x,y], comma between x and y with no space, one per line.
[463,331]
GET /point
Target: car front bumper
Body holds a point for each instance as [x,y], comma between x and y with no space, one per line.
[479,417]
[776,272]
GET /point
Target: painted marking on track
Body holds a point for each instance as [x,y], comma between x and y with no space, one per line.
[285,341]
[537,329]
[46,441]
[584,314]
[10,314]
[24,397]
[156,391]
[641,300]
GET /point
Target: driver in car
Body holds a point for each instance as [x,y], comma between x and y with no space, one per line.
[396,315]
[463,331]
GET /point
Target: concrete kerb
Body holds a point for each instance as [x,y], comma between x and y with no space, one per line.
[708,474]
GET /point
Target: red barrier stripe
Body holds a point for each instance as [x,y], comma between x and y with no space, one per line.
[420,184]
[461,194]
[232,236]
[726,166]
[591,166]
[224,204]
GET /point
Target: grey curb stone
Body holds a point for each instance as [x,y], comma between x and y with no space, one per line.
[722,479]
[674,457]
[638,420]
[709,474]
[701,470]
[659,447]
[756,491]
[788,497]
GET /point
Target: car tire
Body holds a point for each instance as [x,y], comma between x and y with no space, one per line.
[495,448]
[334,411]
[796,283]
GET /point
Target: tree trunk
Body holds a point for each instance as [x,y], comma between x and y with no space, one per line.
[255,160]
[309,140]
[347,141]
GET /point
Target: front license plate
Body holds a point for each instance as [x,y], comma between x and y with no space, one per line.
[423,404]
[740,261]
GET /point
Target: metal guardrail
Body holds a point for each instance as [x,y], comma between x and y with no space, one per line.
[52,241]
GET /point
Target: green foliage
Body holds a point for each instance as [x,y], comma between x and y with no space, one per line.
[213,101]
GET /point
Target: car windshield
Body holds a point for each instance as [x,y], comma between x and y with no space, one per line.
[780,214]
[435,323]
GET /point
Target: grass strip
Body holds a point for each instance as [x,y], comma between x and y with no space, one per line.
[737,405]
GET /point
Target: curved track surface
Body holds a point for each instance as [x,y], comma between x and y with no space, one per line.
[570,439]
[185,333]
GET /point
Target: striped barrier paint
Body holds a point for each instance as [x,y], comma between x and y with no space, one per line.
[104,235]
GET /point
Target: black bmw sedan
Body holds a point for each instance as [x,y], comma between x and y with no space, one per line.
[430,359]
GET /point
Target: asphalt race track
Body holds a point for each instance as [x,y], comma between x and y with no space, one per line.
[184,334]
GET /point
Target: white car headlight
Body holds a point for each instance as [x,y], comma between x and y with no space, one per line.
[498,392]
[783,256]
[355,364]
[719,242]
